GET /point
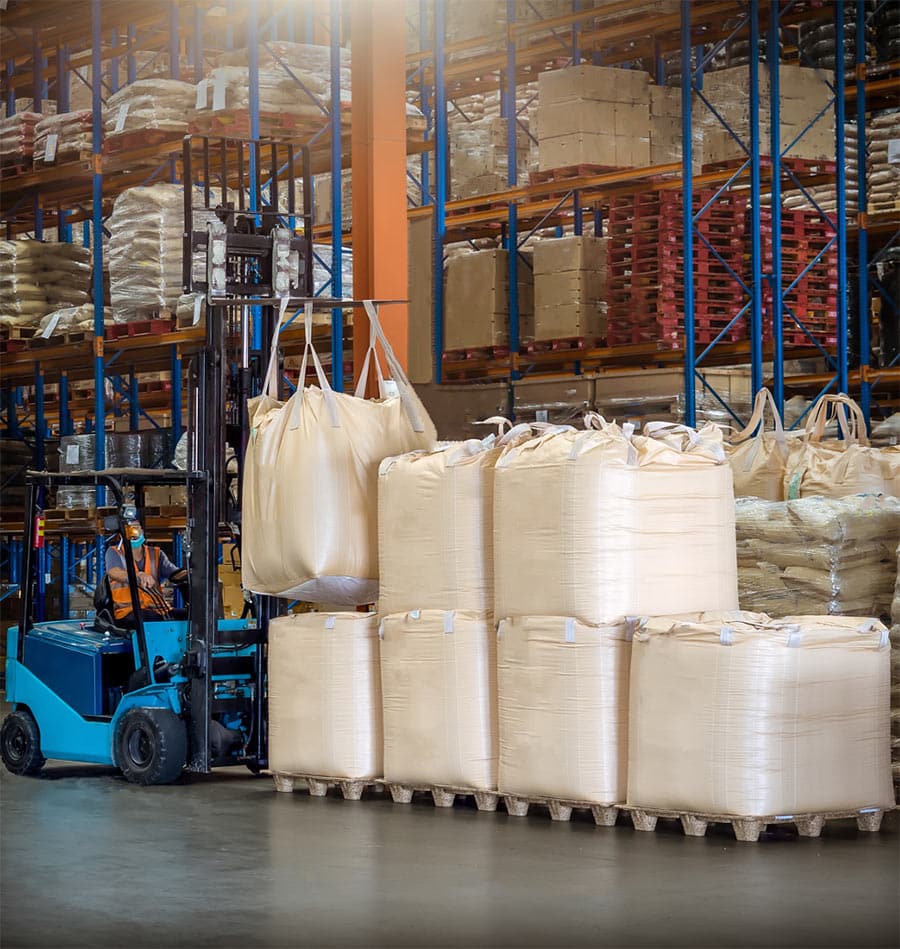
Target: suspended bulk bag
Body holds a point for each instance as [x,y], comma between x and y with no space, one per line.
[439,684]
[563,708]
[756,717]
[837,468]
[604,523]
[435,521]
[310,478]
[758,458]
[325,695]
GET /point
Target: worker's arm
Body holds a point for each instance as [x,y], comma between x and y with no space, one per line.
[120,575]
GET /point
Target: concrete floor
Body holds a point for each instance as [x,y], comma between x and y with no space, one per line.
[89,860]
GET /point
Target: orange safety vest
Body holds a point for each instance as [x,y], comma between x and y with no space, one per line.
[148,601]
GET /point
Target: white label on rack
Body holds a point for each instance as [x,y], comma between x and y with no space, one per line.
[198,300]
[120,118]
[50,147]
[202,93]
[894,151]
[218,92]
[71,454]
[49,329]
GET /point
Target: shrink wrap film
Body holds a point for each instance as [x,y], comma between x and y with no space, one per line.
[325,695]
[17,138]
[604,523]
[756,717]
[149,105]
[562,691]
[439,684]
[817,555]
[310,490]
[37,278]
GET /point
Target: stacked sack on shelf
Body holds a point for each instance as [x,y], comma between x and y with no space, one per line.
[68,319]
[309,532]
[817,554]
[17,138]
[37,278]
[148,105]
[64,137]
[438,643]
[592,529]
[739,714]
[895,678]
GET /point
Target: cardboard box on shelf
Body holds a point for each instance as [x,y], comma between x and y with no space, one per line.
[607,84]
[569,253]
[565,320]
[580,115]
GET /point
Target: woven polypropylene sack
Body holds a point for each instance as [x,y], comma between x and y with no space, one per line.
[601,524]
[760,717]
[562,689]
[759,458]
[310,486]
[439,684]
[325,695]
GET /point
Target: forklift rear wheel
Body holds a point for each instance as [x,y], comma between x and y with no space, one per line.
[20,743]
[151,745]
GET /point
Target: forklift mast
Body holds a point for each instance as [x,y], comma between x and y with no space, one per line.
[242,255]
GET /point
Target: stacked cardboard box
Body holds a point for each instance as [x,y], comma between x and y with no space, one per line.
[804,96]
[570,288]
[477,300]
[665,125]
[593,115]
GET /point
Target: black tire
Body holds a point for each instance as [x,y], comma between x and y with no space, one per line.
[151,746]
[20,743]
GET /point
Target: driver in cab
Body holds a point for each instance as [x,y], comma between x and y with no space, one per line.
[153,568]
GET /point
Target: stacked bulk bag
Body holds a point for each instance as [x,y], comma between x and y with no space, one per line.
[837,468]
[754,717]
[325,695]
[439,683]
[758,458]
[563,708]
[604,523]
[310,478]
[438,643]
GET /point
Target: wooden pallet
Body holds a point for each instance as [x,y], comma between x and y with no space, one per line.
[235,123]
[59,339]
[156,326]
[605,815]
[570,171]
[564,344]
[748,829]
[318,785]
[800,166]
[79,158]
[10,346]
[120,142]
[443,796]
[475,352]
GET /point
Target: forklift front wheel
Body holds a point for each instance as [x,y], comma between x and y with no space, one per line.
[151,745]
[20,743]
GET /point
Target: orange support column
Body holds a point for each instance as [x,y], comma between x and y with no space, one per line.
[378,34]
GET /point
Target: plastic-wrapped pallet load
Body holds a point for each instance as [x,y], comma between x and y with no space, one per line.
[311,478]
[817,555]
[325,695]
[834,468]
[563,708]
[435,511]
[157,104]
[63,137]
[439,685]
[17,138]
[749,716]
[603,523]
[38,278]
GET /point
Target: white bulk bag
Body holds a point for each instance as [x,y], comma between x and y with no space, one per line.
[562,689]
[604,523]
[325,695]
[758,458]
[439,688]
[838,468]
[435,526]
[310,479]
[756,717]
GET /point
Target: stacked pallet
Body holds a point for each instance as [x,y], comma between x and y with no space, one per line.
[646,268]
[813,301]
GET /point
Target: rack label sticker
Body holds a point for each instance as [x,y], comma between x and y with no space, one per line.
[122,115]
[50,147]
[71,454]
[894,151]
[202,93]
[218,92]
[49,329]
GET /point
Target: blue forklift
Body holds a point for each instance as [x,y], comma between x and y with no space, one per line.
[165,696]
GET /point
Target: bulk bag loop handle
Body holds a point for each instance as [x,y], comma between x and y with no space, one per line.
[849,415]
[763,398]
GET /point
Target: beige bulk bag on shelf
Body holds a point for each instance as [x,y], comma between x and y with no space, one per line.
[439,685]
[311,478]
[603,523]
[325,695]
[837,468]
[755,717]
[562,692]
[435,517]
[758,458]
